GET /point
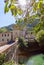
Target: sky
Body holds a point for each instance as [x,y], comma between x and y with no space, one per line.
[5,19]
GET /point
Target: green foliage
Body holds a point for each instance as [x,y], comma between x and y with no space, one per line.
[9,5]
[13,9]
[37,28]
[19,11]
[40,36]
[2,58]
[22,43]
[3,30]
[6,9]
[9,63]
[36,7]
[20,23]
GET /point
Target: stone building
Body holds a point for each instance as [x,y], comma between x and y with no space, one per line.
[18,33]
[15,33]
[5,37]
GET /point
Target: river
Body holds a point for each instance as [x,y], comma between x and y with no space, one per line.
[36,60]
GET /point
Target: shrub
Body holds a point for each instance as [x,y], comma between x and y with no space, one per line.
[2,58]
[40,36]
[22,43]
[9,63]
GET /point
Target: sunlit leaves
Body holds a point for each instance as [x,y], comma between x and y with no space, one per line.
[6,9]
[13,10]
[19,11]
[35,5]
[37,8]
[40,36]
[40,0]
[40,25]
[13,1]
[37,28]
[12,7]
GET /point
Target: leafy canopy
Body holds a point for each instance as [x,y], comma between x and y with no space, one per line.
[15,7]
[32,9]
[40,36]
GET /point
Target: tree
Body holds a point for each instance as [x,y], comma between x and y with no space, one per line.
[32,10]
[39,26]
[3,30]
[40,37]
[32,5]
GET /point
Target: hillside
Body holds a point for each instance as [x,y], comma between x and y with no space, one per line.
[14,26]
[6,28]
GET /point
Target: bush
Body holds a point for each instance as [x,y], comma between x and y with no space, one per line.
[20,40]
[40,36]
[2,58]
[22,43]
[9,63]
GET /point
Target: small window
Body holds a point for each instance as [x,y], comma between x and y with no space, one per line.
[2,39]
[5,35]
[2,35]
[7,39]
[8,34]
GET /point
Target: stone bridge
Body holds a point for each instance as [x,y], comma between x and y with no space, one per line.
[12,52]
[9,50]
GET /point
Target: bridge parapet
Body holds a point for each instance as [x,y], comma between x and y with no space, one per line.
[8,50]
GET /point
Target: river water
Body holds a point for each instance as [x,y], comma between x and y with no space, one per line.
[36,60]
